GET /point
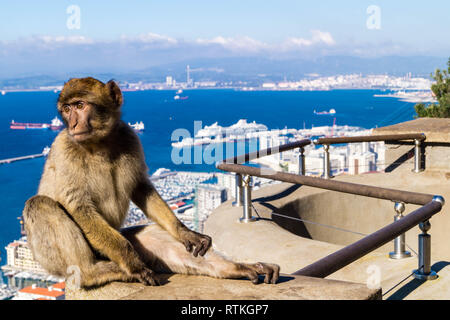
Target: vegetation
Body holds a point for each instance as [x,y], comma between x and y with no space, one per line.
[441,91]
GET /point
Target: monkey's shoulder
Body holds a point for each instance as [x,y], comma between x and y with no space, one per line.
[126,139]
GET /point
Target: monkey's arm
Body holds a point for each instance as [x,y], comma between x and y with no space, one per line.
[148,199]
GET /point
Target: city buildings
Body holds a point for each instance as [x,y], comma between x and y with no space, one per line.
[22,270]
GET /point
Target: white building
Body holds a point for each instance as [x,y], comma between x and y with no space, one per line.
[19,256]
[361,159]
[227,181]
[209,197]
[169,81]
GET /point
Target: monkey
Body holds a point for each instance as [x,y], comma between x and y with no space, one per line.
[95,167]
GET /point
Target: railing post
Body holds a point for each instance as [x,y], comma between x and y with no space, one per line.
[326,162]
[247,200]
[417,156]
[424,271]
[238,190]
[301,162]
[399,242]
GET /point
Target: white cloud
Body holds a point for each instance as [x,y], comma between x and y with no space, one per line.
[235,44]
[65,40]
[151,37]
[317,38]
[247,44]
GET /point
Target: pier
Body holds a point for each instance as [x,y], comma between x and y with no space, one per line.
[31,156]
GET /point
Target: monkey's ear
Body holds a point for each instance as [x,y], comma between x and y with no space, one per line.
[115,92]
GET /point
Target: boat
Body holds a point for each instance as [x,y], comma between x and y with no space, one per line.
[138,126]
[3,92]
[55,124]
[46,151]
[331,111]
[177,97]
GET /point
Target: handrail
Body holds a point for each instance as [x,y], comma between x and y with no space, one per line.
[340,186]
[431,204]
[267,152]
[358,249]
[372,138]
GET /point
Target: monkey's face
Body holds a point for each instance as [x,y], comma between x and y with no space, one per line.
[77,115]
[89,108]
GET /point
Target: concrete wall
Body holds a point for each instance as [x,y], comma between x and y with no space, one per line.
[435,148]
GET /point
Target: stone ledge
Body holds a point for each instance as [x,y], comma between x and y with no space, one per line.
[435,129]
[182,287]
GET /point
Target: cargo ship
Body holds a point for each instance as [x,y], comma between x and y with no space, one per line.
[138,126]
[332,111]
[55,124]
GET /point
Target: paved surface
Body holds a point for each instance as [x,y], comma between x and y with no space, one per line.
[180,287]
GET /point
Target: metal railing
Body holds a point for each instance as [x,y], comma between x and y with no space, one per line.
[431,204]
[326,142]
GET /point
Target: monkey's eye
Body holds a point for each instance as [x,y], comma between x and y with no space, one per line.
[80,105]
[66,108]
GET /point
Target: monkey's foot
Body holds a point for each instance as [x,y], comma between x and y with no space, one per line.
[147,277]
[269,270]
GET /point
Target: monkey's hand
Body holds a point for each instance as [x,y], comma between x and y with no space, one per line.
[192,239]
[147,277]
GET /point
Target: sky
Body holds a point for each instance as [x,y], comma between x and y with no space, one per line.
[33,33]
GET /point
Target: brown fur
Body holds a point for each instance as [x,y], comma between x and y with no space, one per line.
[83,198]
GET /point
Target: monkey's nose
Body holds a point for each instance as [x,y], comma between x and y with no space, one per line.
[73,122]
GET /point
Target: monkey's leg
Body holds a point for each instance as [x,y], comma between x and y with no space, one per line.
[59,246]
[164,254]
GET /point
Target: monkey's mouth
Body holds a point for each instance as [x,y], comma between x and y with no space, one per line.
[78,136]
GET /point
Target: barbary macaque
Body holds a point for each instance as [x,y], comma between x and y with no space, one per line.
[95,167]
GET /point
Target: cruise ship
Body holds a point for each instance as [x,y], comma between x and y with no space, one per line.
[215,133]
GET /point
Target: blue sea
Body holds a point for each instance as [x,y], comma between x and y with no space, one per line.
[162,115]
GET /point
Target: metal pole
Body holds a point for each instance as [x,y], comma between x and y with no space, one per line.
[417,156]
[247,200]
[301,162]
[424,271]
[326,162]
[238,191]
[399,242]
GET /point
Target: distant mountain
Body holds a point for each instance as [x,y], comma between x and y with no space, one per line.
[253,70]
[257,68]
